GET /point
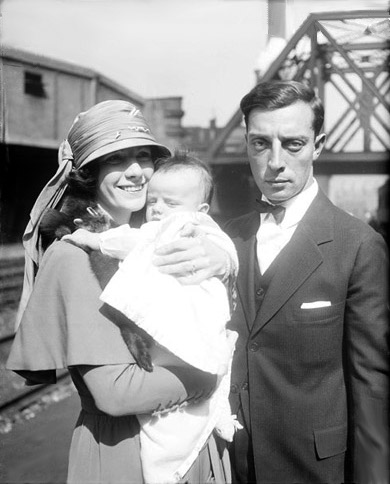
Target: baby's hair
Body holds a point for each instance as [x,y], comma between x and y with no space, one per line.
[185,159]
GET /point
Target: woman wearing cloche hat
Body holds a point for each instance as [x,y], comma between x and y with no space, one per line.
[104,168]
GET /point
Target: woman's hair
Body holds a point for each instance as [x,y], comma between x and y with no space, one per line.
[280,94]
[186,160]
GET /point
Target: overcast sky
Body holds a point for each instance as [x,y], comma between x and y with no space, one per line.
[202,50]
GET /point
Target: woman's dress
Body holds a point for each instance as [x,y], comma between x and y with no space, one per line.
[64,326]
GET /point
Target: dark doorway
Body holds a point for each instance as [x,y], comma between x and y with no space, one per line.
[23,173]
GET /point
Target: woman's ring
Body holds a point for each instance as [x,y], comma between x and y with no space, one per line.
[193,269]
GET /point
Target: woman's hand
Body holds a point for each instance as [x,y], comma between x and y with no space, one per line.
[193,258]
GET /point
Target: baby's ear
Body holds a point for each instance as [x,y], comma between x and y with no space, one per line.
[204,208]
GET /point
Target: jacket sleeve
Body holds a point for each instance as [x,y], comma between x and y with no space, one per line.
[366,333]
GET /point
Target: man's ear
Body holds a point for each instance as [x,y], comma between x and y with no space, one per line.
[204,208]
[319,143]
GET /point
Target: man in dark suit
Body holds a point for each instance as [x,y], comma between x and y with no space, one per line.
[310,372]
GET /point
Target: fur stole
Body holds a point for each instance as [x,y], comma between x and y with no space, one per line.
[83,213]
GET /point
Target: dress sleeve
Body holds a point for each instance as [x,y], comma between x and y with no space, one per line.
[164,389]
[64,323]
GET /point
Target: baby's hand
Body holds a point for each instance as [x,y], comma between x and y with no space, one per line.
[83,238]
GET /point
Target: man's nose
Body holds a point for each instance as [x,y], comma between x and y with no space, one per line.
[276,161]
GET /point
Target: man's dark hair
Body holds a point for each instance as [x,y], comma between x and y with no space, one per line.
[184,159]
[280,94]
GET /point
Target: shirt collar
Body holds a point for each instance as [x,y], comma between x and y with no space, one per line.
[297,206]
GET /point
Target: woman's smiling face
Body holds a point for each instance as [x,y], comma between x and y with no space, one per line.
[122,181]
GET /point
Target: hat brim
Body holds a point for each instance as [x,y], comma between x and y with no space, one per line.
[117,145]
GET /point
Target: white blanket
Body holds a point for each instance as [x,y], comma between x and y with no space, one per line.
[190,321]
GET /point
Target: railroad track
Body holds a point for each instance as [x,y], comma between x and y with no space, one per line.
[11,281]
[32,395]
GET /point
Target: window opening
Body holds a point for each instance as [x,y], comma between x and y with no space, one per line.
[33,84]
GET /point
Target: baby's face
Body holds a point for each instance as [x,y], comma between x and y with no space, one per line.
[171,192]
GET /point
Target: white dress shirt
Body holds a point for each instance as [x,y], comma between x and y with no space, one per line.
[272,237]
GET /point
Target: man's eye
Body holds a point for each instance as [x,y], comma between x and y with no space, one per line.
[151,201]
[294,145]
[259,144]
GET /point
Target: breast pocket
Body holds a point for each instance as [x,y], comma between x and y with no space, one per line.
[322,315]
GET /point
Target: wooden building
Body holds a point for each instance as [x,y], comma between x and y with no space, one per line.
[40,98]
[165,115]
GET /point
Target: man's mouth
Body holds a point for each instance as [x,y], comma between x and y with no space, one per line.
[277,182]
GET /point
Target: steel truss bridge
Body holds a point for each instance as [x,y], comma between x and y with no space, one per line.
[344,56]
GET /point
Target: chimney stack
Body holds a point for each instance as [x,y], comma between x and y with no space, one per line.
[276,19]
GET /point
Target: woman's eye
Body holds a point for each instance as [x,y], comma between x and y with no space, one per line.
[144,156]
[113,159]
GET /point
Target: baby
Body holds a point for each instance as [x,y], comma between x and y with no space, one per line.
[187,320]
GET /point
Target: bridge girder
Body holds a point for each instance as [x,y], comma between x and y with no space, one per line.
[344,56]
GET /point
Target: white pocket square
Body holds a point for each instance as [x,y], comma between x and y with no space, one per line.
[315,304]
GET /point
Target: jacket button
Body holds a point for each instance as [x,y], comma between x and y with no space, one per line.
[254,347]
[260,293]
[234,388]
[244,386]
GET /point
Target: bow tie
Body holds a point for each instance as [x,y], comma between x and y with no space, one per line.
[278,211]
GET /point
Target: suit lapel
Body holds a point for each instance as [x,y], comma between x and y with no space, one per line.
[299,259]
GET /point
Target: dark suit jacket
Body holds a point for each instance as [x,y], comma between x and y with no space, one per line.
[313,383]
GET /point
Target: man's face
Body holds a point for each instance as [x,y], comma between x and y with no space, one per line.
[281,149]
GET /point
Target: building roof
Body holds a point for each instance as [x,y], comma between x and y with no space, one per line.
[10,53]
